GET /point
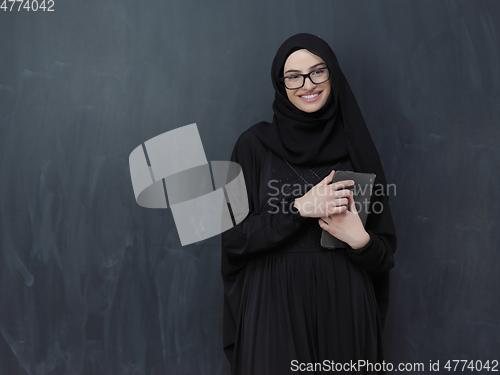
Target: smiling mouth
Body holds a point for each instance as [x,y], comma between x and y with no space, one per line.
[310,97]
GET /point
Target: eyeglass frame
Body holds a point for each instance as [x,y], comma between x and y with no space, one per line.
[308,75]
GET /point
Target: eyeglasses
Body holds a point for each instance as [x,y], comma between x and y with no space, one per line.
[296,81]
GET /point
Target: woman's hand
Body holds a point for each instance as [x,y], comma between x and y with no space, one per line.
[346,226]
[325,199]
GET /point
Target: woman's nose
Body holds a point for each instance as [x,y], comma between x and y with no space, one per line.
[308,84]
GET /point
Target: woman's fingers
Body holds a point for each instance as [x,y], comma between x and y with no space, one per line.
[334,196]
[339,193]
[342,184]
[340,188]
[336,206]
[352,206]
[338,210]
[328,178]
[337,202]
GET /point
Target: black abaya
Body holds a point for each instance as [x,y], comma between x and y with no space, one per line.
[286,297]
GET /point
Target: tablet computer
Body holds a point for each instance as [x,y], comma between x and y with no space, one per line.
[362,188]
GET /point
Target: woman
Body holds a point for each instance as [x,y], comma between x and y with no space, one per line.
[289,302]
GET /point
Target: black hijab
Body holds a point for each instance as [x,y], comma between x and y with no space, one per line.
[327,135]
[324,136]
[300,137]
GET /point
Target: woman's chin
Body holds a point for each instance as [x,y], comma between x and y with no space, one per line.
[310,108]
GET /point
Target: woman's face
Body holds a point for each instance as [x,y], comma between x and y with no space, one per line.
[310,97]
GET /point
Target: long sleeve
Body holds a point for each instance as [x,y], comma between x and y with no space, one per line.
[374,256]
[259,230]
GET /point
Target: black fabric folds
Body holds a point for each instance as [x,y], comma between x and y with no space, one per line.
[273,268]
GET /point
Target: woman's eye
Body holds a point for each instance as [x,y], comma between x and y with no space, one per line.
[292,78]
[318,72]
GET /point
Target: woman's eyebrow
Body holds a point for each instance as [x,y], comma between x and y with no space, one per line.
[298,71]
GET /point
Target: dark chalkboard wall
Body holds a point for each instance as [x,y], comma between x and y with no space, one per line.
[92,283]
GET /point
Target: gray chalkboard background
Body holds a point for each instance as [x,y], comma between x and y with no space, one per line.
[92,283]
